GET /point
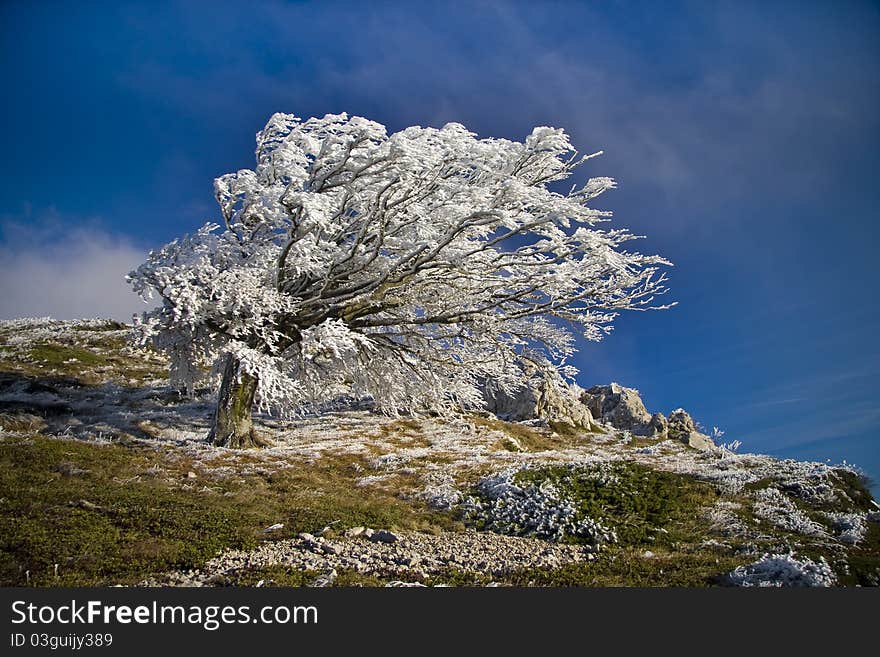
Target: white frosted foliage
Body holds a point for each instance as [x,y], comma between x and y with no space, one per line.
[406,267]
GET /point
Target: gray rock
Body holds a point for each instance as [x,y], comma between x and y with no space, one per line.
[680,421]
[544,396]
[326,579]
[700,441]
[658,426]
[384,536]
[682,427]
[620,407]
[88,506]
[398,583]
[354,532]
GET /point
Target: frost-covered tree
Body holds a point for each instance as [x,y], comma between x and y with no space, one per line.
[408,268]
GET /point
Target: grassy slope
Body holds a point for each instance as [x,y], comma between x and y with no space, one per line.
[115,513]
[80,513]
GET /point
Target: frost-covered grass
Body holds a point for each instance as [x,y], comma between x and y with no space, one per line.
[776,508]
[850,527]
[90,350]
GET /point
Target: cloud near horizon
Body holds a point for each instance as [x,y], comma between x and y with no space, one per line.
[48,268]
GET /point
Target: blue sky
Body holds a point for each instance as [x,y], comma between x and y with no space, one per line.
[745,138]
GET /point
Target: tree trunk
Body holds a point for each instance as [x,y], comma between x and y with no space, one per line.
[233,423]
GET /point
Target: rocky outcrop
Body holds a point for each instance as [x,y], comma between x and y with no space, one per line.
[622,408]
[544,396]
[548,397]
[682,427]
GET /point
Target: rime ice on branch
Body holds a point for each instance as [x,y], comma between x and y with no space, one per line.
[407,267]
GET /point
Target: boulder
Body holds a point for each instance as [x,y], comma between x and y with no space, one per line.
[682,427]
[384,536]
[544,396]
[622,408]
[659,426]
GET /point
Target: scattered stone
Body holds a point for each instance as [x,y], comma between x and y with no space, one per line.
[397,583]
[414,555]
[331,548]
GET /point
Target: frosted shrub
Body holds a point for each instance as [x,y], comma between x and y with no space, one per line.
[542,510]
[850,527]
[783,570]
[776,508]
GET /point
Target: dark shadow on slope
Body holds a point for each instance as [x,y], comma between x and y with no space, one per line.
[106,411]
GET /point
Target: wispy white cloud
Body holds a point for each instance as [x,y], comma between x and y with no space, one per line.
[774,402]
[54,266]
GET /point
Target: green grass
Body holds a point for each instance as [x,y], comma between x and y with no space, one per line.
[456,577]
[630,568]
[856,488]
[286,576]
[863,560]
[112,513]
[638,505]
[108,325]
[56,355]
[97,353]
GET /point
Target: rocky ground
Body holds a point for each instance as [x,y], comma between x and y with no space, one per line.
[591,490]
[398,556]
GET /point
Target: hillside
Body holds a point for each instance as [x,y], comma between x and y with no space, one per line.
[106,478]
